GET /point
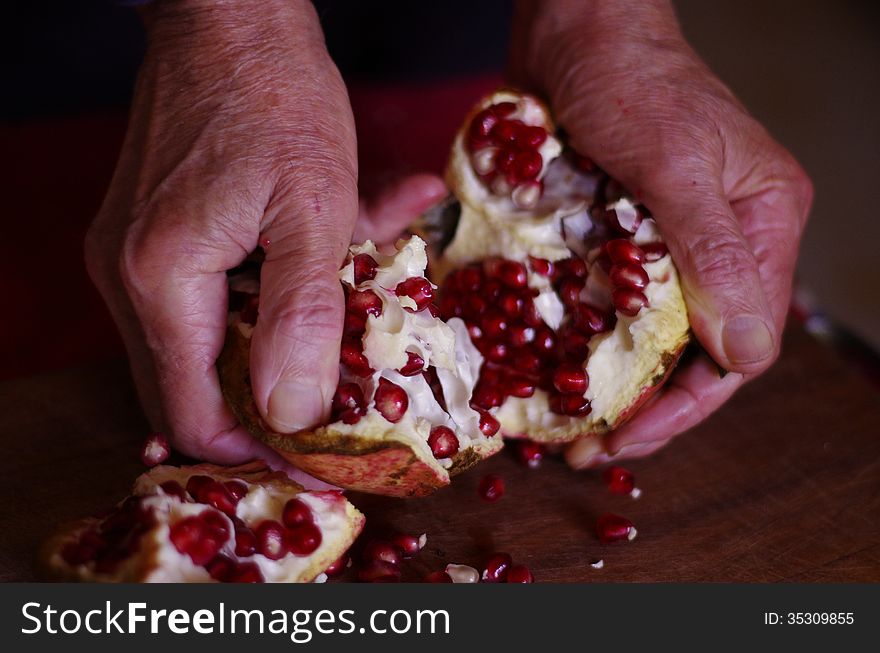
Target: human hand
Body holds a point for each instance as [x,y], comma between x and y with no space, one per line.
[730,202]
[241,133]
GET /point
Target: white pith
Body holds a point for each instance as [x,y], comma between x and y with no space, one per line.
[157,560]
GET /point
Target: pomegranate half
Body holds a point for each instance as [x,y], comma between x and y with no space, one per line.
[206,523]
[557,313]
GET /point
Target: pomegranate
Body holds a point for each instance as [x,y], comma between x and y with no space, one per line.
[558,313]
[274,532]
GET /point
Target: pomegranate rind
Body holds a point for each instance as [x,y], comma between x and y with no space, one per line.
[376,461]
[145,564]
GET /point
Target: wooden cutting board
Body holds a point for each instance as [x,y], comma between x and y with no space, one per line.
[782,484]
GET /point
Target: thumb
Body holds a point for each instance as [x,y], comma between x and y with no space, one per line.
[722,286]
[295,347]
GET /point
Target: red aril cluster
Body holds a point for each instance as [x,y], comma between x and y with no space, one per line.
[627,275]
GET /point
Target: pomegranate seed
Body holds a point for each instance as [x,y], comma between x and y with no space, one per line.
[573,405]
[379,571]
[237,489]
[415,364]
[527,164]
[488,424]
[409,544]
[520,386]
[417,289]
[491,487]
[491,290]
[503,109]
[627,301]
[450,307]
[347,395]
[510,304]
[364,268]
[619,480]
[443,442]
[352,415]
[575,343]
[303,539]
[513,274]
[496,352]
[174,489]
[245,542]
[199,536]
[504,163]
[584,163]
[570,377]
[520,334]
[526,195]
[391,401]
[250,310]
[570,291]
[355,325]
[296,513]
[474,305]
[591,320]
[483,160]
[483,123]
[218,496]
[621,250]
[526,361]
[364,302]
[493,325]
[383,551]
[572,267]
[496,568]
[505,131]
[487,396]
[530,453]
[470,279]
[462,573]
[541,266]
[270,540]
[155,450]
[519,574]
[352,356]
[438,577]
[654,251]
[629,276]
[545,341]
[338,566]
[247,572]
[221,568]
[614,528]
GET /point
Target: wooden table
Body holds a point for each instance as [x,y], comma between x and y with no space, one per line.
[782,484]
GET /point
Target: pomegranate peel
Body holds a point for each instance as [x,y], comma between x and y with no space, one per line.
[162,534]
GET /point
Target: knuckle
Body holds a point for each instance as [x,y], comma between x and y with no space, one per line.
[719,258]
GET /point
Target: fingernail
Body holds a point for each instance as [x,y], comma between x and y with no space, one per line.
[585,453]
[747,339]
[294,406]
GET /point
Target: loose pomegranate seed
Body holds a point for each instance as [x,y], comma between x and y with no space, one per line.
[491,487]
[526,194]
[570,291]
[573,405]
[347,396]
[488,424]
[251,309]
[174,489]
[628,301]
[614,528]
[364,302]
[245,542]
[496,568]
[384,551]
[417,289]
[409,544]
[270,540]
[338,566]
[391,401]
[487,396]
[520,574]
[247,572]
[654,251]
[571,377]
[541,266]
[629,276]
[303,539]
[619,480]
[155,450]
[483,160]
[296,513]
[415,364]
[238,490]
[438,577]
[364,268]
[379,571]
[530,453]
[462,573]
[352,356]
[623,251]
[520,386]
[443,442]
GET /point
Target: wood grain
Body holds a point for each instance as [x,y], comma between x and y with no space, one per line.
[782,484]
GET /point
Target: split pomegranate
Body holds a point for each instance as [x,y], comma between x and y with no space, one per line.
[558,313]
[271,531]
[614,528]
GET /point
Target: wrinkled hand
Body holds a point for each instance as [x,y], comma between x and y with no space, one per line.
[730,202]
[241,132]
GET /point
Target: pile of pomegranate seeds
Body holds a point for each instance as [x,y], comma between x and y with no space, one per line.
[522,353]
[505,153]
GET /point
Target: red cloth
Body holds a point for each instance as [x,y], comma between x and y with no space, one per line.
[55,173]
